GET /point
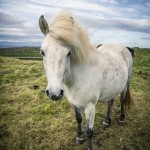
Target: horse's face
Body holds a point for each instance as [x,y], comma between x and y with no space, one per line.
[55,58]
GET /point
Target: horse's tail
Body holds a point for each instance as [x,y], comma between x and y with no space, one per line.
[128,99]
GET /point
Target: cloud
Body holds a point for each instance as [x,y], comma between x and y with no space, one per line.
[127,38]
[140,25]
[110,1]
[89,6]
[147,4]
[19,19]
[7,20]
[145,38]
[22,38]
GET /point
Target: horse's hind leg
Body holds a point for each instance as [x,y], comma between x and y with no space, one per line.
[80,132]
[107,121]
[122,112]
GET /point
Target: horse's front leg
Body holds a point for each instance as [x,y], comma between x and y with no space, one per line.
[80,132]
[90,117]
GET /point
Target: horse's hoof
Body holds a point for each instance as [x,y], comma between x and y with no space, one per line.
[79,140]
[91,148]
[121,122]
[105,125]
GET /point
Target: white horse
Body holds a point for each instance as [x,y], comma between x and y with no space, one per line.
[84,73]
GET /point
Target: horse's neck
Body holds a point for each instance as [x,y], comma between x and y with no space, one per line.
[73,71]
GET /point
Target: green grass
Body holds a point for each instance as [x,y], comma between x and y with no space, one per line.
[30,121]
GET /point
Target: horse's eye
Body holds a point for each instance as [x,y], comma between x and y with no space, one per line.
[69,54]
[42,52]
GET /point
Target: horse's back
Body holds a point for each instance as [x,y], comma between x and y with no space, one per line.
[116,50]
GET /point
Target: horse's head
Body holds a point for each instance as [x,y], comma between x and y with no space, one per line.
[55,58]
[63,37]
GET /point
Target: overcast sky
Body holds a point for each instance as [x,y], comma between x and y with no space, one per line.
[107,21]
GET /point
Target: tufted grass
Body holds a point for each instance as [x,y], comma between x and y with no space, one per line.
[30,121]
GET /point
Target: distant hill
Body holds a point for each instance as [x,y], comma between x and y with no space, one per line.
[29,52]
[20,52]
[21,49]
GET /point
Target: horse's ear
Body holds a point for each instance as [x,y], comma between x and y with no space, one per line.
[72,20]
[43,25]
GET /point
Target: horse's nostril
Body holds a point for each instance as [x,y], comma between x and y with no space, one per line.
[61,93]
[47,92]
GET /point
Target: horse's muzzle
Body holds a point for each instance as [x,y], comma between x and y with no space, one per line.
[55,97]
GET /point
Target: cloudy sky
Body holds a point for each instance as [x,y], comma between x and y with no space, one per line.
[107,21]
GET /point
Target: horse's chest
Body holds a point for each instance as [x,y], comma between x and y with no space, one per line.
[80,97]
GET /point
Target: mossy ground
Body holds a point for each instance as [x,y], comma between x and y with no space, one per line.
[30,121]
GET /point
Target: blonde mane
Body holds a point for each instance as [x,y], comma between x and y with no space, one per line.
[68,32]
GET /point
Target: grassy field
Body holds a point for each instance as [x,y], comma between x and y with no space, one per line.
[30,121]
[20,52]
